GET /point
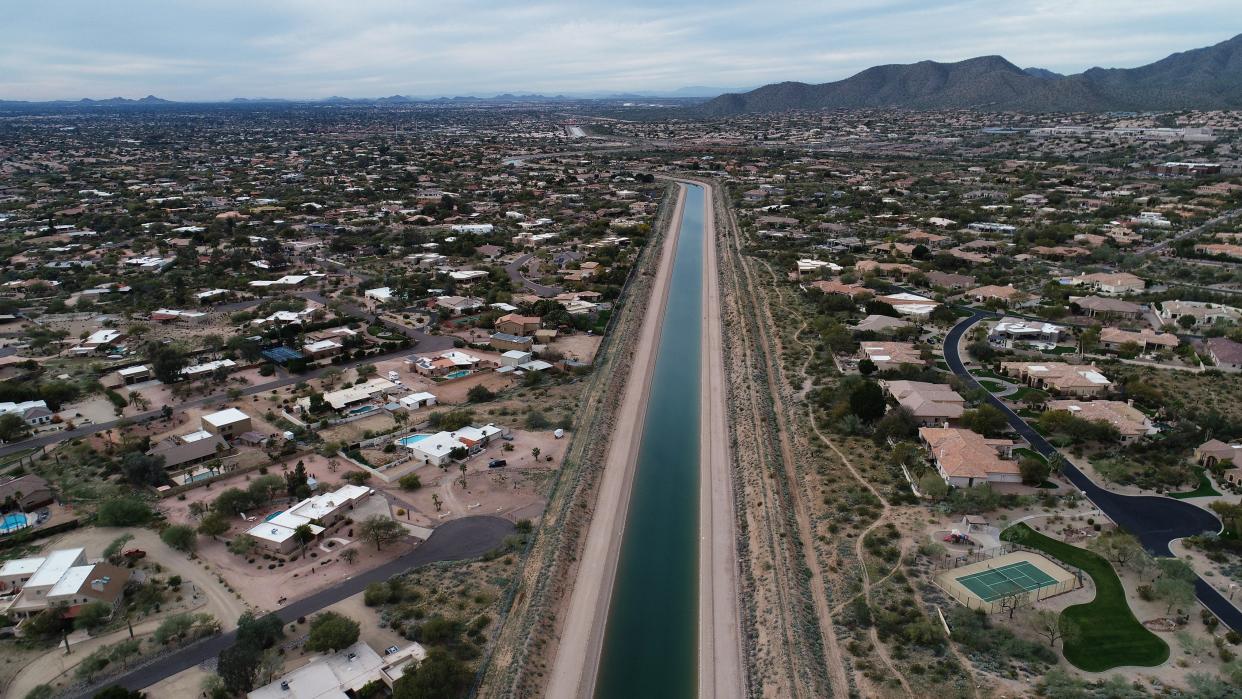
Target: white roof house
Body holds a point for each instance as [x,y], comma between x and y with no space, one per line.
[381,294]
[54,566]
[418,399]
[102,337]
[225,417]
[208,367]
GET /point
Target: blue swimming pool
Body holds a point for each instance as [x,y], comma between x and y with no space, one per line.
[457,374]
[363,409]
[273,516]
[412,439]
[13,521]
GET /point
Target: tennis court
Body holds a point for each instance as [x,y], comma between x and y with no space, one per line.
[985,584]
[991,585]
[281,355]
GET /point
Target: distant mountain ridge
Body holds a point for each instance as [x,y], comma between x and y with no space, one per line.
[1206,78]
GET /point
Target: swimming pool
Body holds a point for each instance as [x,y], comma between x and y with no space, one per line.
[412,439]
[273,516]
[363,409]
[13,521]
[457,374]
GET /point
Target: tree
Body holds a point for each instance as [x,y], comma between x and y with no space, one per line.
[479,394]
[122,512]
[297,481]
[410,481]
[238,666]
[366,370]
[143,469]
[987,420]
[213,524]
[1187,321]
[1178,593]
[180,537]
[1034,470]
[866,367]
[242,544]
[233,501]
[331,632]
[1047,623]
[92,615]
[1013,602]
[1118,546]
[933,486]
[167,363]
[867,402]
[349,556]
[439,675]
[260,631]
[1089,340]
[303,534]
[13,428]
[380,530]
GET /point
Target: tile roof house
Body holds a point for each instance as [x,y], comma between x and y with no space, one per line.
[1225,353]
[1202,312]
[1129,421]
[890,355]
[1073,379]
[1099,306]
[1111,283]
[966,459]
[1145,339]
[930,403]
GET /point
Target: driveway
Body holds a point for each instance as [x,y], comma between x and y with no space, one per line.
[1153,519]
[456,540]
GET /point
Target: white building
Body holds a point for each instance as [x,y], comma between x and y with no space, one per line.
[319,512]
[342,674]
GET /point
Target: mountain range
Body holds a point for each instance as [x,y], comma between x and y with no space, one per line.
[1206,78]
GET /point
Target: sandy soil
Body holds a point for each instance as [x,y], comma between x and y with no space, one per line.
[720,624]
[578,649]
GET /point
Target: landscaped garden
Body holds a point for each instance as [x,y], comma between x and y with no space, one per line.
[1105,633]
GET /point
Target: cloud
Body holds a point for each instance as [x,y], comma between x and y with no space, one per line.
[188,49]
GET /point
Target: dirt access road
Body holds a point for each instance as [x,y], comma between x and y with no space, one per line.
[721,672]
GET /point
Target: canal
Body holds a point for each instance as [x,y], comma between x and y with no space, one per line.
[650,647]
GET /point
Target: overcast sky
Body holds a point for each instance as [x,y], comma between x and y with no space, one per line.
[217,49]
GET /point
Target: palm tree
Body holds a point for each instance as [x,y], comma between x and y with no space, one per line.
[435,500]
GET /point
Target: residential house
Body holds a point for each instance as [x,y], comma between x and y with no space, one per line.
[520,325]
[1146,339]
[1003,294]
[228,423]
[1061,377]
[965,459]
[1101,307]
[930,404]
[343,674]
[1129,421]
[61,577]
[1110,283]
[891,355]
[32,412]
[318,512]
[1200,312]
[25,493]
[1009,331]
[1225,353]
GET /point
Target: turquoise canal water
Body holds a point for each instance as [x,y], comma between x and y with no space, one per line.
[651,641]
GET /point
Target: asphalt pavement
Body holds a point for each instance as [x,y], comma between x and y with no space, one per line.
[1154,520]
[455,540]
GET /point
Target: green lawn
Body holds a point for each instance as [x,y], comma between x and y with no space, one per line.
[992,386]
[1023,452]
[1205,487]
[1026,392]
[1109,634]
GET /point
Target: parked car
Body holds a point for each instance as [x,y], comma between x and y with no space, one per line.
[497,463]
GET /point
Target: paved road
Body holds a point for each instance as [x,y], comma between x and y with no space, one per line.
[1155,520]
[514,269]
[454,540]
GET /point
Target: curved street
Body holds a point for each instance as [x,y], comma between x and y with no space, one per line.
[514,270]
[1155,520]
[455,540]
